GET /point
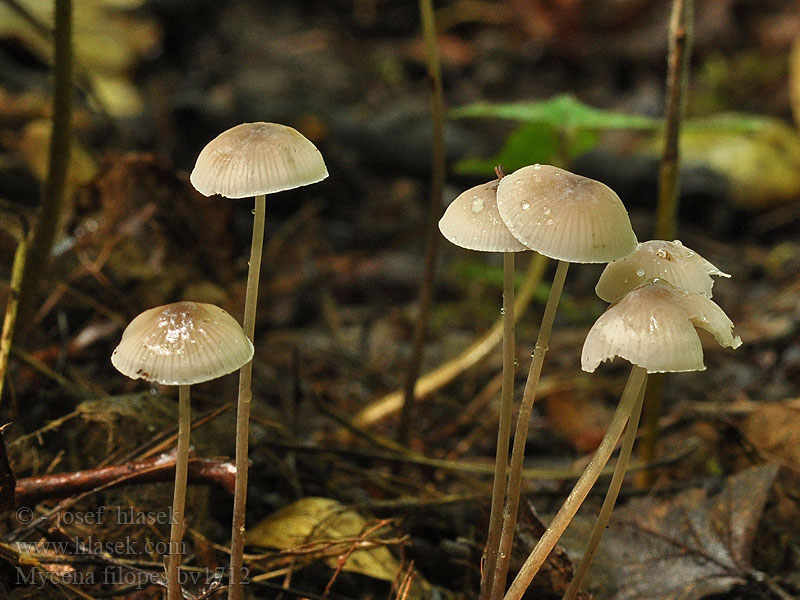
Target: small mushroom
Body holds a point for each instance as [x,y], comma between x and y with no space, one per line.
[571,219]
[653,327]
[658,259]
[253,159]
[473,221]
[181,344]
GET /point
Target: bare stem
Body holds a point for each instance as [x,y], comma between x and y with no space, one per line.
[12,305]
[521,433]
[243,406]
[179,494]
[611,497]
[503,429]
[680,49]
[578,494]
[434,212]
[52,204]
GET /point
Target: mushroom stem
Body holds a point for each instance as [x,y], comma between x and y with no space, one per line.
[611,497]
[578,494]
[243,408]
[503,430]
[521,433]
[179,494]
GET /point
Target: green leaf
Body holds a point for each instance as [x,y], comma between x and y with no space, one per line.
[563,112]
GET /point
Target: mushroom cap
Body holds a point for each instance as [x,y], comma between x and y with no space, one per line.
[653,327]
[565,216]
[472,221]
[658,259]
[182,344]
[252,159]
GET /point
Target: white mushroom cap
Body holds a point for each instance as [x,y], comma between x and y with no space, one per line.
[252,159]
[657,259]
[181,344]
[653,327]
[472,221]
[565,216]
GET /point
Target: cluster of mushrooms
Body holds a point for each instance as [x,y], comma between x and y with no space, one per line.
[190,342]
[659,293]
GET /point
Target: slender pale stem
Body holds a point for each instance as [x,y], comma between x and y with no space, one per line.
[578,494]
[179,495]
[611,497]
[243,409]
[521,433]
[503,429]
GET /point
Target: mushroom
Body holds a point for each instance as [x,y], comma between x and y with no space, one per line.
[571,219]
[181,344]
[658,259]
[653,327]
[473,221]
[253,159]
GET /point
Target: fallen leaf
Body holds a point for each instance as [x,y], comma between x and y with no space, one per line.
[774,429]
[323,528]
[691,546]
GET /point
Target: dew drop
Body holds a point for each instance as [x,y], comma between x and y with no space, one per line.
[549,221]
[653,325]
[640,272]
[661,253]
[516,363]
[525,205]
[477,205]
[252,212]
[546,210]
[502,311]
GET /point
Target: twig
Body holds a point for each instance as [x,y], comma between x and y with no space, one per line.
[52,205]
[434,212]
[12,303]
[680,49]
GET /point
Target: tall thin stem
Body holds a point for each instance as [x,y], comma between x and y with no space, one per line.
[53,192]
[243,407]
[12,305]
[503,429]
[614,487]
[434,212]
[521,433]
[179,495]
[680,48]
[578,494]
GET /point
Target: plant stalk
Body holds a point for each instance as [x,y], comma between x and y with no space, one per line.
[179,494]
[581,489]
[52,204]
[434,212]
[503,430]
[521,433]
[614,487]
[666,227]
[243,406]
[12,305]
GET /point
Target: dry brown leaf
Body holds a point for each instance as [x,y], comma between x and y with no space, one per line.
[774,429]
[692,545]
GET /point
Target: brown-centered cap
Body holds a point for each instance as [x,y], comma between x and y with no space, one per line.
[472,221]
[658,259]
[653,327]
[252,159]
[181,344]
[565,216]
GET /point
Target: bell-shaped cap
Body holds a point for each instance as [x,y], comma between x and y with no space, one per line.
[658,259]
[472,221]
[252,159]
[181,344]
[653,327]
[565,216]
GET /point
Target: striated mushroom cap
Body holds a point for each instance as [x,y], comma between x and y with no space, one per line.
[565,216]
[658,259]
[472,221]
[252,159]
[182,344]
[653,327]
